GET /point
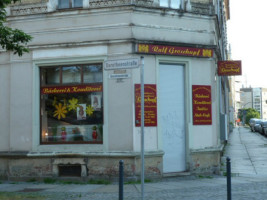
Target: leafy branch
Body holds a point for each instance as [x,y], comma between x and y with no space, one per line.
[12,39]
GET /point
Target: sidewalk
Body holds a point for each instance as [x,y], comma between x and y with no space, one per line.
[248,153]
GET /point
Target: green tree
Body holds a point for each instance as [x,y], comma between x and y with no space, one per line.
[251,113]
[12,39]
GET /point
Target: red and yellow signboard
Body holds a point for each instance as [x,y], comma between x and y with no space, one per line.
[150,100]
[202,113]
[71,89]
[229,68]
[174,50]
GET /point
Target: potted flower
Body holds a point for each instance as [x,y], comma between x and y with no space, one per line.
[94,133]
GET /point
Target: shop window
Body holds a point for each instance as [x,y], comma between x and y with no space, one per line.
[64,4]
[71,99]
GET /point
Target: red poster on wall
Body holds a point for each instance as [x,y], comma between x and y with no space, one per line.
[202,113]
[150,100]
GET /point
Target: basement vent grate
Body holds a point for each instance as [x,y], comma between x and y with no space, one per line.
[70,170]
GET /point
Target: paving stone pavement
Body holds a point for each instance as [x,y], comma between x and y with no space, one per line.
[248,153]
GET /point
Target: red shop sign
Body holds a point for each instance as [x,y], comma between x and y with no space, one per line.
[150,100]
[202,114]
[229,68]
[71,89]
[174,50]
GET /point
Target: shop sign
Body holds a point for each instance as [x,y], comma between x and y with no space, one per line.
[71,89]
[229,68]
[202,114]
[150,99]
[174,50]
[122,64]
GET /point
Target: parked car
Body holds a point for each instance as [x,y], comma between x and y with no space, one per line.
[253,122]
[257,127]
[260,128]
[264,127]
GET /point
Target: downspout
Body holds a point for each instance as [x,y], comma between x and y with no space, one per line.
[187,5]
[182,5]
[222,80]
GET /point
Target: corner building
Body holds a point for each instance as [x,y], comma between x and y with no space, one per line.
[71,106]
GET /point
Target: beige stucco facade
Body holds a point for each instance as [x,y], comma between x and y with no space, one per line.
[94,35]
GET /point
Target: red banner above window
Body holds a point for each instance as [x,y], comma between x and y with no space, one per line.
[71,89]
[202,114]
[229,68]
[174,50]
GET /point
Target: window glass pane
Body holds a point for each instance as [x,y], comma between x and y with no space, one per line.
[77,3]
[50,76]
[72,117]
[71,113]
[71,74]
[175,3]
[92,74]
[164,3]
[63,4]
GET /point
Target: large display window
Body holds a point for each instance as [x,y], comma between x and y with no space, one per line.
[71,101]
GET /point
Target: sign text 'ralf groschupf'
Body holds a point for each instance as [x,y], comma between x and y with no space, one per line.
[229,68]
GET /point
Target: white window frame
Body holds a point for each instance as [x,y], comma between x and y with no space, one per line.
[65,56]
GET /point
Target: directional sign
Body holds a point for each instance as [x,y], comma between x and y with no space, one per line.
[122,64]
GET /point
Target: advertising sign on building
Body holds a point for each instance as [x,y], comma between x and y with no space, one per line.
[72,89]
[202,113]
[174,50]
[229,68]
[150,100]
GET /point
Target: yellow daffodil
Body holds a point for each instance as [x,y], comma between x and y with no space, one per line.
[60,111]
[89,110]
[73,104]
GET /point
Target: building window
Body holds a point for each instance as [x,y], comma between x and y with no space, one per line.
[170,3]
[63,4]
[71,104]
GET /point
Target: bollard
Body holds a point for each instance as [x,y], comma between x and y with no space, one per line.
[229,190]
[121,180]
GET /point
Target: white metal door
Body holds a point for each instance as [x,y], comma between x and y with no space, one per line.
[172,116]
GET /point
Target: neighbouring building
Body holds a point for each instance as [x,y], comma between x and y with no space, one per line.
[234,96]
[71,106]
[255,98]
[264,103]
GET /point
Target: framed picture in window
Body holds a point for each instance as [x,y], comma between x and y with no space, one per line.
[81,112]
[96,102]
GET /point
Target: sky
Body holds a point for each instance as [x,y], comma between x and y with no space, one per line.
[247,35]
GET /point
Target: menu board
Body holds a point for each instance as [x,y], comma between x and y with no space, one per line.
[202,113]
[150,99]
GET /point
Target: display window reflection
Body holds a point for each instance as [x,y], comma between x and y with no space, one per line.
[71,101]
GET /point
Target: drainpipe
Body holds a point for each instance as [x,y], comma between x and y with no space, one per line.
[181,5]
[187,5]
[222,80]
